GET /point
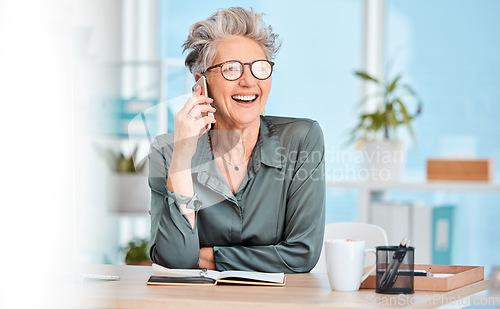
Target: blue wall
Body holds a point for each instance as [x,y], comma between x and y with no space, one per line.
[313,74]
[451,53]
[448,50]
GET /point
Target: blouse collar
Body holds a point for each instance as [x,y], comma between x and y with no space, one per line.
[268,149]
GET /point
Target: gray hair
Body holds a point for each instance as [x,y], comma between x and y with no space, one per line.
[206,34]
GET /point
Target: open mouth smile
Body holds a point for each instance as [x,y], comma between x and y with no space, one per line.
[245,98]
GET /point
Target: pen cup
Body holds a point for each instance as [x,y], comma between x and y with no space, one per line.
[395,270]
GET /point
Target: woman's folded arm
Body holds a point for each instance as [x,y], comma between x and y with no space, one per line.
[174,239]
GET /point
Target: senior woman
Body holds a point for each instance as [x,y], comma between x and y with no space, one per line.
[236,190]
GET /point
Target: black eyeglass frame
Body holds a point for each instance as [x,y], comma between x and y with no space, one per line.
[243,68]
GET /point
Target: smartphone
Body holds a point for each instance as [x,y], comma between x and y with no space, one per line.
[202,82]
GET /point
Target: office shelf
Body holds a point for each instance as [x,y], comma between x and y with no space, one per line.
[374,191]
[424,186]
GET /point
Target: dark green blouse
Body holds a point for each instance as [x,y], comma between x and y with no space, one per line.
[274,223]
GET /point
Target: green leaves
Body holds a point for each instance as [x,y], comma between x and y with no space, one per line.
[365,76]
[392,114]
[120,163]
[392,86]
[406,118]
[137,252]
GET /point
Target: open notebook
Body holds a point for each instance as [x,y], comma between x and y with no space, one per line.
[170,276]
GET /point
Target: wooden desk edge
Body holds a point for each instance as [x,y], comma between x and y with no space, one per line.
[443,299]
[457,294]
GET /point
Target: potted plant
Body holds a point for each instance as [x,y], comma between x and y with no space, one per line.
[137,253]
[384,155]
[128,185]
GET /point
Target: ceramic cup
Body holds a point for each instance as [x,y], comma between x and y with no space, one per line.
[345,262]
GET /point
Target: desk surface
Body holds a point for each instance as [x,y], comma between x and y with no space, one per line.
[301,290]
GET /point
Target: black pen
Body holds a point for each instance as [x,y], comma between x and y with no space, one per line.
[391,273]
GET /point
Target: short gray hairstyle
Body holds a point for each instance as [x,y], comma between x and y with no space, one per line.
[206,34]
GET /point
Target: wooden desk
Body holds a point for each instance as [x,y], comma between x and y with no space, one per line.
[301,291]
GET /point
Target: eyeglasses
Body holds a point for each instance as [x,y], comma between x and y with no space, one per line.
[233,69]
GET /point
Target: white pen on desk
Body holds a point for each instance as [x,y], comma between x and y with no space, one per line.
[440,275]
[423,273]
[99,277]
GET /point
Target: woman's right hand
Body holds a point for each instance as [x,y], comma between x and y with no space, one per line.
[191,122]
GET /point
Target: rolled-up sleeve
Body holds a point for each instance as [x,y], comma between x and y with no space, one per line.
[300,248]
[174,243]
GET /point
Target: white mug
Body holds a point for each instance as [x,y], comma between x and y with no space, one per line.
[345,262]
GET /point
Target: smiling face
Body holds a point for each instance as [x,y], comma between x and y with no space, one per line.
[240,102]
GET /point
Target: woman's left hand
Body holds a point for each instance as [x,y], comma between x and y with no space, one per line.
[207,258]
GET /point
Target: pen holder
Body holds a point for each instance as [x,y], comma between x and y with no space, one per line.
[395,270]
